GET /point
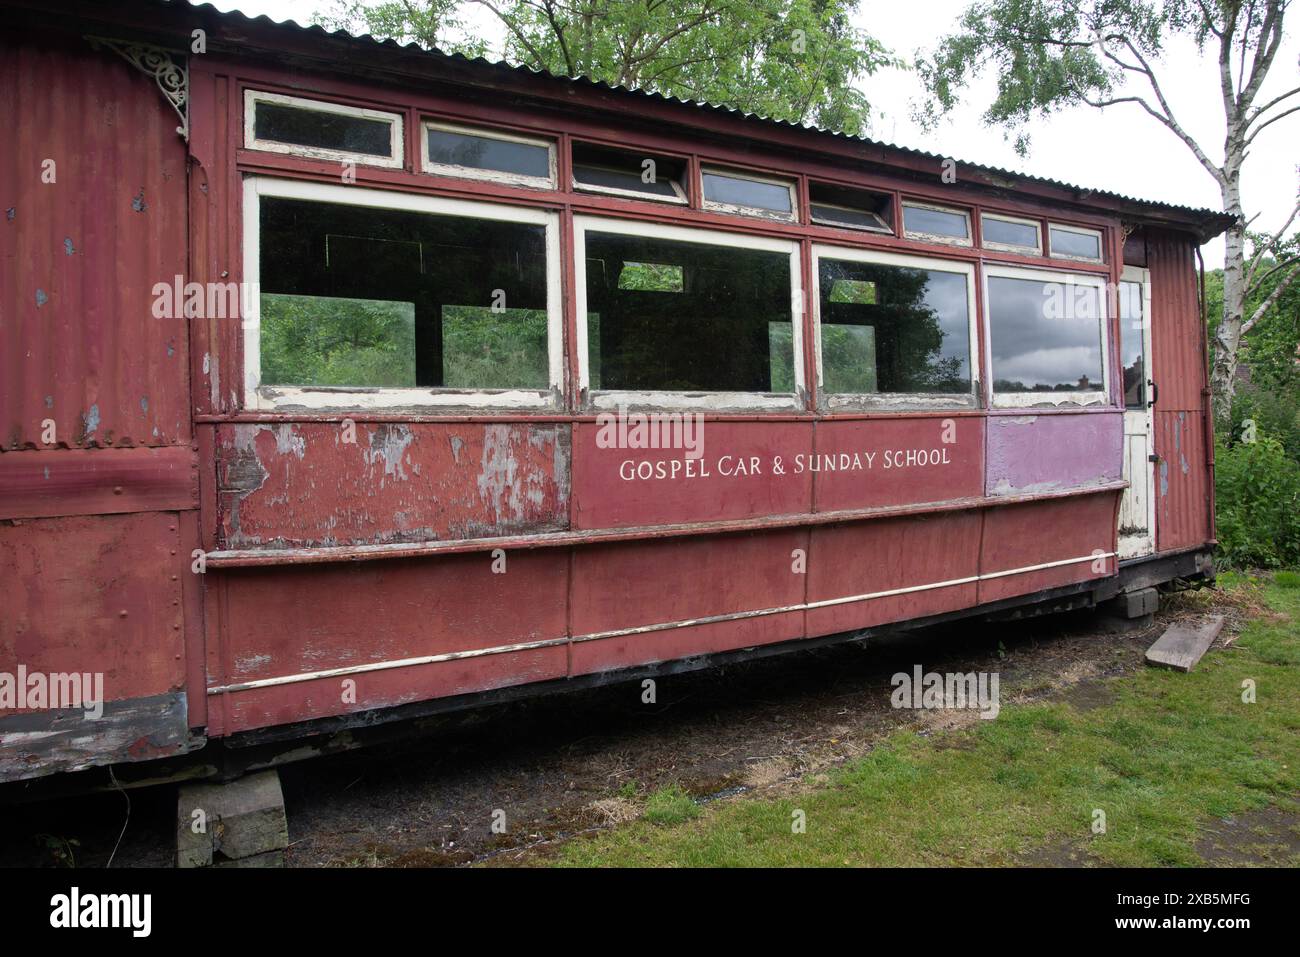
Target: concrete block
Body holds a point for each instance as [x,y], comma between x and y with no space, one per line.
[1139,603]
[238,821]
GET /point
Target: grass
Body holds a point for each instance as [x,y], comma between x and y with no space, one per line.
[1169,754]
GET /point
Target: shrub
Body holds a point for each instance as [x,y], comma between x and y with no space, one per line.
[1257,490]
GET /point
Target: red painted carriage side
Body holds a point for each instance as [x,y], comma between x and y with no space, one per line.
[1184,476]
[98,485]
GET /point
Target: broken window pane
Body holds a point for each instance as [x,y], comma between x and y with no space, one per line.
[714,334]
[296,126]
[1045,335]
[363,297]
[455,148]
[599,169]
[889,328]
[316,340]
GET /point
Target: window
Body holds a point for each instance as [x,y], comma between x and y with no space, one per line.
[666,313]
[1046,337]
[1069,242]
[479,154]
[370,299]
[1132,347]
[625,173]
[895,328]
[749,195]
[1012,235]
[290,124]
[936,224]
[849,208]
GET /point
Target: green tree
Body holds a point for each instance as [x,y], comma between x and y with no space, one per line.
[1053,54]
[797,60]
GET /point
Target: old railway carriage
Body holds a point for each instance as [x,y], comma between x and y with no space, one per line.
[345,381]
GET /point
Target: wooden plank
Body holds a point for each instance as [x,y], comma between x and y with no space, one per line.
[1183,644]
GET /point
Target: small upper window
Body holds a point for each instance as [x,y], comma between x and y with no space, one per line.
[731,192]
[1069,242]
[290,124]
[849,208]
[627,173]
[478,154]
[1013,235]
[936,224]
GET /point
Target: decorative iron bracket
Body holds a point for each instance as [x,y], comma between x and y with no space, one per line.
[170,70]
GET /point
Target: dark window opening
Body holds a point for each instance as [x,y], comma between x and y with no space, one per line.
[893,329]
[475,151]
[850,208]
[1046,335]
[726,329]
[295,126]
[599,169]
[360,297]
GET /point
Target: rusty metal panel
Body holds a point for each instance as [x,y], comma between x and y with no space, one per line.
[1028,452]
[377,622]
[1182,488]
[621,588]
[92,189]
[1075,538]
[101,597]
[318,484]
[877,557]
[57,482]
[1177,344]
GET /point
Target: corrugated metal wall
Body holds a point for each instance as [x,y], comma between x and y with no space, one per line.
[92,188]
[1183,492]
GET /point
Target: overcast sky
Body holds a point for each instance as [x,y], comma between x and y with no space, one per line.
[1120,149]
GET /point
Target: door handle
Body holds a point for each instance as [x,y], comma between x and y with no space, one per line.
[1155,393]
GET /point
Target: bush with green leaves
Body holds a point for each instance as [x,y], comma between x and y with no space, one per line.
[1257,490]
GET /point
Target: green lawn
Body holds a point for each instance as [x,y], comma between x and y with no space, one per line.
[1167,755]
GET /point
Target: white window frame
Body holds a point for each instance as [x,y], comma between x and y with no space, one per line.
[491,175]
[883,229]
[1036,249]
[849,401]
[1024,400]
[257,396]
[695,401]
[935,237]
[740,210]
[1082,231]
[396,130]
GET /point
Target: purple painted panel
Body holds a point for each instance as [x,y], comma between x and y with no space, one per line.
[1043,453]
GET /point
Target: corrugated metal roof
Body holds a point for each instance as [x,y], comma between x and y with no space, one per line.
[1213,220]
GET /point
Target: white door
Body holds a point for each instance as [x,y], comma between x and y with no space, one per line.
[1137,511]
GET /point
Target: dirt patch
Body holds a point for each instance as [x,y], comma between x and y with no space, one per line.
[1269,837]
